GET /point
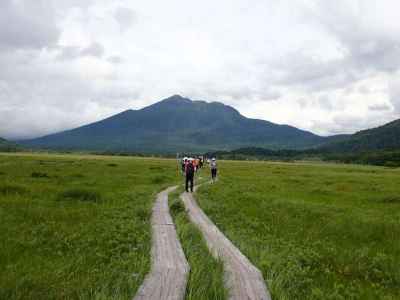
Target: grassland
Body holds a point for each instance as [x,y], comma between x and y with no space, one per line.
[76,227]
[315,231]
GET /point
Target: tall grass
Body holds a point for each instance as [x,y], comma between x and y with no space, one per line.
[316,231]
[80,232]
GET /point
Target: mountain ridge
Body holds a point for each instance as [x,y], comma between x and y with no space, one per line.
[177,124]
[385,137]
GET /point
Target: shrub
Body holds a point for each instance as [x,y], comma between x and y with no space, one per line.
[176,207]
[112,165]
[158,179]
[39,175]
[11,189]
[391,199]
[77,175]
[80,195]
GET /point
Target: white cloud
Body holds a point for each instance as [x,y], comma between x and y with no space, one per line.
[329,67]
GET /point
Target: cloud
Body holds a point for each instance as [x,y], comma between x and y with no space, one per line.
[73,52]
[27,25]
[95,49]
[394,94]
[115,59]
[322,66]
[379,107]
[125,17]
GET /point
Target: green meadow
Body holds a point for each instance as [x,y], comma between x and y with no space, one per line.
[316,231]
[76,227]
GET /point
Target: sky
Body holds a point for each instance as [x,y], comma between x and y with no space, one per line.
[329,67]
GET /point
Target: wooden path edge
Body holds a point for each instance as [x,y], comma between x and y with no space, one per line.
[169,271]
[243,280]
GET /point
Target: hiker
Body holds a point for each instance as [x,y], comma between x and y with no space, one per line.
[189,172]
[184,161]
[213,166]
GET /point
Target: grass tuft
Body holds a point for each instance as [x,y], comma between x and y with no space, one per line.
[158,179]
[391,199]
[39,175]
[80,194]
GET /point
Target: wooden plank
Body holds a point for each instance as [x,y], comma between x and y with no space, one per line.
[168,276]
[243,279]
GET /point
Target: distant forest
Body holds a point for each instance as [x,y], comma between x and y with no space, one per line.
[378,158]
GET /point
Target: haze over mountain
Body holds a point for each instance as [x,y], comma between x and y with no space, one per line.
[178,124]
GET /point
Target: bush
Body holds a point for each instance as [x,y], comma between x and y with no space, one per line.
[80,195]
[11,189]
[176,207]
[391,199]
[158,179]
[112,165]
[39,175]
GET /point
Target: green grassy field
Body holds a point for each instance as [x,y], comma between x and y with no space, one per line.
[315,231]
[76,227]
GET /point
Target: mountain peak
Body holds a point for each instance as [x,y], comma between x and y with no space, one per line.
[176,99]
[177,124]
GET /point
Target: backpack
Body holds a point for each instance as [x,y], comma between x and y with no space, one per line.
[213,165]
[189,169]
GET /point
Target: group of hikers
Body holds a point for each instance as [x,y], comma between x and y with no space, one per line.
[192,165]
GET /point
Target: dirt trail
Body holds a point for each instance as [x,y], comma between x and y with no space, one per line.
[168,276]
[244,280]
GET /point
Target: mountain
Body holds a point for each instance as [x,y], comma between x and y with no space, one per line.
[386,137]
[178,124]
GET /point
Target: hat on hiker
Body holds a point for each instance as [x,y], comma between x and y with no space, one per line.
[213,158]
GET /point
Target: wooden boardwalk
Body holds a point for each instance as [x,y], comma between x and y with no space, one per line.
[168,276]
[244,281]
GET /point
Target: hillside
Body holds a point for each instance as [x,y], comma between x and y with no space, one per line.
[386,137]
[6,146]
[178,124]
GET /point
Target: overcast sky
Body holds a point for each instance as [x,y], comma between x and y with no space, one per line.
[325,66]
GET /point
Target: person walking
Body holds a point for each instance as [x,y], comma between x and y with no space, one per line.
[184,161]
[189,172]
[213,166]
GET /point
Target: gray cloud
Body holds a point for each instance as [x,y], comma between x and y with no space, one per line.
[27,25]
[72,52]
[366,45]
[319,65]
[125,17]
[115,59]
[394,94]
[379,107]
[95,49]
